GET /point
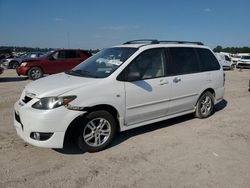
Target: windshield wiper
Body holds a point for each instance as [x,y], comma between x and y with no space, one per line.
[83,73]
[72,72]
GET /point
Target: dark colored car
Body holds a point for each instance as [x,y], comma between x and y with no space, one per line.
[14,62]
[54,62]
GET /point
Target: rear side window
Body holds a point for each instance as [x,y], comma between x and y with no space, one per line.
[207,60]
[71,54]
[182,61]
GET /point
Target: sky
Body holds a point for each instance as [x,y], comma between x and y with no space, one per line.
[101,24]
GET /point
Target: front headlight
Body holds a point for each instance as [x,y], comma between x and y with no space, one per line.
[48,103]
[23,64]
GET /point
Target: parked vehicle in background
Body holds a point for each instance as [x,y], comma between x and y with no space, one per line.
[54,62]
[235,58]
[5,53]
[123,87]
[13,63]
[1,70]
[244,62]
[225,61]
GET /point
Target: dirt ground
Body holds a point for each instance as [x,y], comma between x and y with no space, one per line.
[181,152]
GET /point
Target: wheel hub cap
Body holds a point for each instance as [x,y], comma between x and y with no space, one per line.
[97,132]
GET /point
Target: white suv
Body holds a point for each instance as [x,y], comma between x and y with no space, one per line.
[120,88]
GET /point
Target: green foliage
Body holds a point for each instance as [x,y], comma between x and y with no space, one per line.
[232,50]
[218,49]
[25,49]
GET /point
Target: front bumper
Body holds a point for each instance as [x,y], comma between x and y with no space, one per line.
[22,70]
[56,121]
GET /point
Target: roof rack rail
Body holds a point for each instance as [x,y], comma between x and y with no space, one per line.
[142,41]
[180,42]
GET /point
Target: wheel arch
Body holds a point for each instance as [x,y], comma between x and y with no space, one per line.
[73,129]
[211,90]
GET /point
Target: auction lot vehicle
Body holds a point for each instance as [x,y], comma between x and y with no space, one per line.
[225,61]
[120,88]
[13,63]
[54,62]
[244,62]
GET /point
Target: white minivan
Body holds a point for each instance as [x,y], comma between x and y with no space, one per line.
[120,88]
[225,61]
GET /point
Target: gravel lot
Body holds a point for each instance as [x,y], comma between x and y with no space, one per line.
[181,152]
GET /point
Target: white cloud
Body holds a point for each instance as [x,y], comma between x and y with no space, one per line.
[58,19]
[207,9]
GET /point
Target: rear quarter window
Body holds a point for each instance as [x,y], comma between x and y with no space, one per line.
[207,59]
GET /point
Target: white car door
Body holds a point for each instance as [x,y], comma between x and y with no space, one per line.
[147,98]
[185,78]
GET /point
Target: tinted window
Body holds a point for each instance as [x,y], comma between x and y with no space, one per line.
[149,64]
[227,58]
[61,55]
[70,54]
[182,61]
[208,60]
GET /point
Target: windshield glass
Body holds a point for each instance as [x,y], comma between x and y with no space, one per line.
[245,57]
[103,64]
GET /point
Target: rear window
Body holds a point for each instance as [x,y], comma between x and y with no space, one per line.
[207,60]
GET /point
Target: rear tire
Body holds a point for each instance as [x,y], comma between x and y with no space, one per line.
[14,64]
[97,131]
[35,73]
[205,105]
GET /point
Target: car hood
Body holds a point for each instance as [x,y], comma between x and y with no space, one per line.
[57,84]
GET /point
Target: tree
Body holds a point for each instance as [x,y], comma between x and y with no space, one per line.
[218,49]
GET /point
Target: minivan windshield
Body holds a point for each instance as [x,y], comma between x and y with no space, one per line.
[104,63]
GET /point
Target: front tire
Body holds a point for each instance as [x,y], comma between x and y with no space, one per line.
[97,131]
[205,105]
[35,73]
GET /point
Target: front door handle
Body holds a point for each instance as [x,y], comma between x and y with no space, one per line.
[176,80]
[163,82]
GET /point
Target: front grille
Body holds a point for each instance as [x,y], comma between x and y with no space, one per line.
[26,99]
[17,118]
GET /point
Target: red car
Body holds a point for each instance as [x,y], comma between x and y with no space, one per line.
[54,62]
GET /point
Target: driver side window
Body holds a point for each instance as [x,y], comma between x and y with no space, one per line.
[59,55]
[149,64]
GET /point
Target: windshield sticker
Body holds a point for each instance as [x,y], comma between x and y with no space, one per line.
[115,62]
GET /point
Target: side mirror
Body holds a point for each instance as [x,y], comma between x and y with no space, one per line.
[133,76]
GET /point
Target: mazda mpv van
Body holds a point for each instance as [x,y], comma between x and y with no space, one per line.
[123,87]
